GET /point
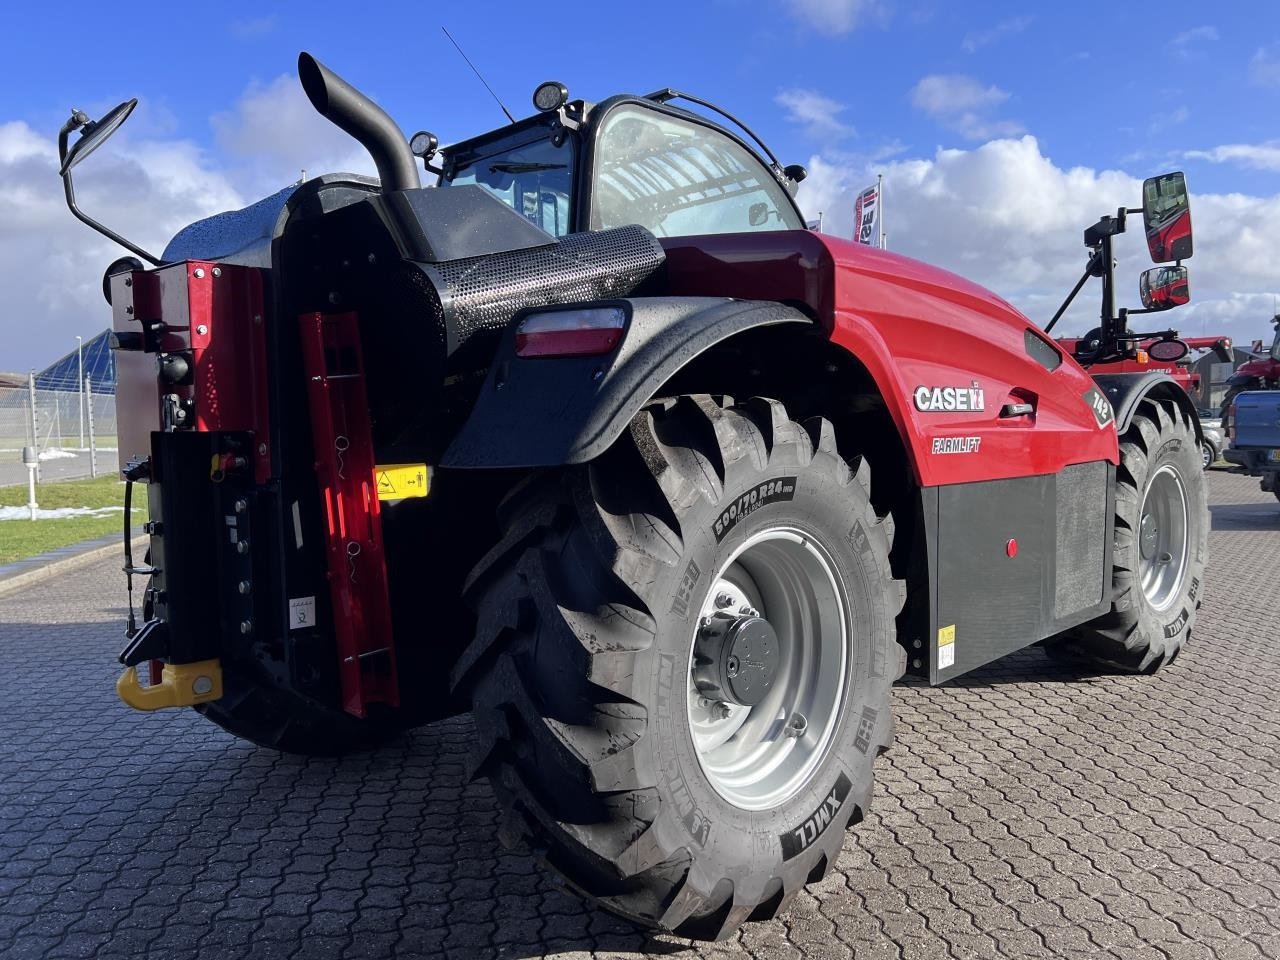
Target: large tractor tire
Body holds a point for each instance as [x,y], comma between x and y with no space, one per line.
[255,710]
[1160,549]
[681,673]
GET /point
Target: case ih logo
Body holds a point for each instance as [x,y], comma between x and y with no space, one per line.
[949,399]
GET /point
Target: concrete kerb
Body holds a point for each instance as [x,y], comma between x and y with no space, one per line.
[22,573]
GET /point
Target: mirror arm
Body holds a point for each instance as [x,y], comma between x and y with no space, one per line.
[89,221]
[1088,272]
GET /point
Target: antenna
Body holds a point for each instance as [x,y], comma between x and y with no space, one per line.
[477,73]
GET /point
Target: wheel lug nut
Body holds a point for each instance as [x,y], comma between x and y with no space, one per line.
[719,710]
[724,600]
[796,725]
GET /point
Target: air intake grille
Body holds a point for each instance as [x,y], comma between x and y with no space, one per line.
[483,293]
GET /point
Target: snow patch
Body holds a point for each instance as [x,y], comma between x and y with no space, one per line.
[54,454]
[59,513]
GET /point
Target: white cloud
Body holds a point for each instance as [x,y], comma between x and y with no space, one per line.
[834,16]
[961,103]
[1264,66]
[1005,215]
[975,40]
[1189,44]
[817,114]
[273,132]
[1259,156]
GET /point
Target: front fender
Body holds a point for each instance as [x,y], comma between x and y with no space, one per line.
[544,412]
[1127,390]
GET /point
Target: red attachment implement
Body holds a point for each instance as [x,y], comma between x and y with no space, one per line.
[339,405]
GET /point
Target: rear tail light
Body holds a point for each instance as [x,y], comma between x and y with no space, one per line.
[577,332]
[1231,421]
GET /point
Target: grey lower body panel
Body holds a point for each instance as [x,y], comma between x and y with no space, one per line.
[1015,561]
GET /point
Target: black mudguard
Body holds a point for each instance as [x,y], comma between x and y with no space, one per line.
[548,412]
[1127,390]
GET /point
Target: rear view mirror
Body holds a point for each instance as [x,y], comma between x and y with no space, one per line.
[1166,213]
[94,134]
[1162,288]
[758,214]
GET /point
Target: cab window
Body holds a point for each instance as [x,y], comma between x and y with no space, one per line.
[534,179]
[680,178]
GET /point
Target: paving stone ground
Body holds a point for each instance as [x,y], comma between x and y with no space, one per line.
[1026,811]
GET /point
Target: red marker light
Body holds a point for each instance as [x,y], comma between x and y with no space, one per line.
[1011,548]
[579,332]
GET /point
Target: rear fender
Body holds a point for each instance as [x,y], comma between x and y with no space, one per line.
[1127,390]
[544,412]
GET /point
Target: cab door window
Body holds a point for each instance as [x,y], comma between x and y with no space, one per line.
[681,178]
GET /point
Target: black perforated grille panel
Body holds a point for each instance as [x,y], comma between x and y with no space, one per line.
[484,293]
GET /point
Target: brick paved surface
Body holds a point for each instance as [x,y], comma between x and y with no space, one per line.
[1026,811]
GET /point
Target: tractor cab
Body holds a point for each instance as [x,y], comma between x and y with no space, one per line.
[577,166]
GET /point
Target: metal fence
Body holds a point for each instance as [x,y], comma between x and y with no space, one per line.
[73,432]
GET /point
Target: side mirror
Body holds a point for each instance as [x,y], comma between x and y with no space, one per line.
[1162,288]
[1166,213]
[758,214]
[94,133]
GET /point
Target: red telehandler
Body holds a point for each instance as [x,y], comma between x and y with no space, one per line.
[592,439]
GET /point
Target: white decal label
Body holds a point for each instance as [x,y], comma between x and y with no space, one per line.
[956,444]
[302,612]
[946,647]
[949,399]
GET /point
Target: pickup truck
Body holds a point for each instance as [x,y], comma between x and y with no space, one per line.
[1254,431]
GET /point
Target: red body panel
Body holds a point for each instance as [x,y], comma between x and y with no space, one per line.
[211,313]
[1264,368]
[353,523]
[914,325]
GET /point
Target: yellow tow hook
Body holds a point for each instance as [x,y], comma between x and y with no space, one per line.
[181,685]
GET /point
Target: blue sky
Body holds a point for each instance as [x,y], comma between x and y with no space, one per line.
[919,89]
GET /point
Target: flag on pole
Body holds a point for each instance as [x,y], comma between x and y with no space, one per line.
[866,216]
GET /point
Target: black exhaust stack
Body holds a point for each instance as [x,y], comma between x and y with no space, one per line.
[347,107]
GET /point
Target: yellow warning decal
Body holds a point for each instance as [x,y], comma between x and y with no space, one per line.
[946,647]
[400,481]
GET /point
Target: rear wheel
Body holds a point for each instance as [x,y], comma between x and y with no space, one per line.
[681,673]
[1160,549]
[1207,455]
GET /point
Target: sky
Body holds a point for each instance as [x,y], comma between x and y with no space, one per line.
[1002,129]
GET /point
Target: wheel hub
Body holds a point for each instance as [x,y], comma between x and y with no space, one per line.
[1148,536]
[769,665]
[736,659]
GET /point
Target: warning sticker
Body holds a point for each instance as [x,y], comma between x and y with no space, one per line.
[302,612]
[946,647]
[400,481]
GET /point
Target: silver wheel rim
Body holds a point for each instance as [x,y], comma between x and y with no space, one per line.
[1162,538]
[1206,455]
[757,757]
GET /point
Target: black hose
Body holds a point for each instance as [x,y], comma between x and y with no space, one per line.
[344,105]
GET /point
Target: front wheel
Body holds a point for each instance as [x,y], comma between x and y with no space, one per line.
[1160,549]
[681,674]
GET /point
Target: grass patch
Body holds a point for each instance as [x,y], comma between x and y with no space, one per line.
[24,538]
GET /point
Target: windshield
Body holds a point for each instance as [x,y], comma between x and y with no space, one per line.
[679,178]
[534,179]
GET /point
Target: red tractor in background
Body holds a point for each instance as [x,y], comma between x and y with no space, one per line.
[1261,373]
[594,440]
